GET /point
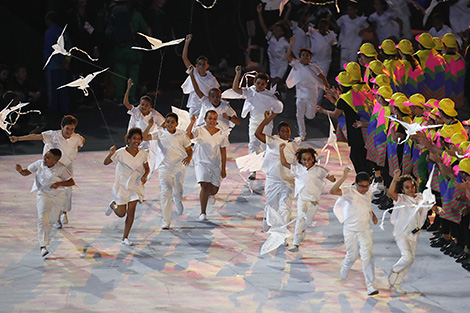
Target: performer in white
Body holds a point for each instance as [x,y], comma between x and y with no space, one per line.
[279,185]
[51,177]
[353,209]
[203,76]
[307,78]
[69,143]
[210,158]
[173,155]
[408,217]
[131,174]
[258,100]
[309,185]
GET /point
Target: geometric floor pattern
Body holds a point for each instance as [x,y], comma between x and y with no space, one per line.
[211,266]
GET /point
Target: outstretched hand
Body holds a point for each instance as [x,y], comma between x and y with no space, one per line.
[238,69]
[112,150]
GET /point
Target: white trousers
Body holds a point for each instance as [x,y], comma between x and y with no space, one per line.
[360,242]
[254,144]
[310,210]
[279,195]
[171,184]
[48,213]
[407,245]
[305,108]
[68,200]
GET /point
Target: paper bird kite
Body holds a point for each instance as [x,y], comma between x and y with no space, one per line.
[183,118]
[250,162]
[82,82]
[6,120]
[157,43]
[332,142]
[411,129]
[59,48]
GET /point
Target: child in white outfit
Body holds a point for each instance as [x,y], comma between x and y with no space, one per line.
[174,153]
[51,177]
[309,185]
[353,209]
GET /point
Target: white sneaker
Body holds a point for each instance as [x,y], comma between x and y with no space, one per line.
[294,248]
[44,251]
[64,219]
[343,273]
[252,176]
[202,217]
[392,278]
[110,208]
[165,226]
[127,242]
[179,208]
[265,225]
[372,291]
[58,224]
[397,289]
[211,200]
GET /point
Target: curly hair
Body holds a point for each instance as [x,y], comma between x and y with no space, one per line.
[132,132]
[300,151]
[401,181]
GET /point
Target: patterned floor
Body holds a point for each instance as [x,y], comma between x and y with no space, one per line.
[196,266]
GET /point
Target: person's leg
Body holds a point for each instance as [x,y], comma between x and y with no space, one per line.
[352,252]
[204,195]
[301,105]
[166,183]
[129,218]
[400,268]
[120,210]
[366,251]
[44,207]
[299,234]
[178,191]
[285,201]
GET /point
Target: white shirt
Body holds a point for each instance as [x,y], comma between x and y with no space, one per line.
[272,159]
[257,103]
[142,121]
[205,84]
[207,147]
[171,148]
[302,40]
[309,184]
[386,26]
[129,169]
[407,216]
[305,79]
[277,49]
[46,176]
[53,139]
[354,209]
[224,107]
[349,37]
[321,46]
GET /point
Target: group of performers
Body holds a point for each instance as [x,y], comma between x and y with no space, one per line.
[377,105]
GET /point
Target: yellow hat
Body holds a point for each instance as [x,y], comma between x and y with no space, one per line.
[381,80]
[464,146]
[417,100]
[447,106]
[464,166]
[405,46]
[425,40]
[396,95]
[449,40]
[434,113]
[377,67]
[432,103]
[398,102]
[448,130]
[368,50]
[354,70]
[456,138]
[388,47]
[344,79]
[438,45]
[386,92]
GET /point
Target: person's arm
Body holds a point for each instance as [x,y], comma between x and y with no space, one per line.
[324,80]
[234,118]
[127,104]
[446,171]
[147,171]
[284,162]
[145,134]
[259,9]
[83,143]
[66,183]
[236,80]
[108,160]
[14,139]
[189,130]
[335,114]
[286,16]
[392,193]
[268,117]
[223,154]
[184,56]
[197,90]
[289,55]
[22,171]
[189,152]
[374,218]
[336,190]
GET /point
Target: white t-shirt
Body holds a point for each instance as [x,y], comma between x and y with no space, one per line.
[277,49]
[46,176]
[386,26]
[321,46]
[349,37]
[302,40]
[257,103]
[354,209]
[53,139]
[402,217]
[309,184]
[142,121]
[129,169]
[207,147]
[224,107]
[205,84]
[305,78]
[272,159]
[171,148]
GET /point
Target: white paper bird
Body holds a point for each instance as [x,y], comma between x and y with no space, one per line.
[82,82]
[250,162]
[157,43]
[332,142]
[411,129]
[59,48]
[6,121]
[183,118]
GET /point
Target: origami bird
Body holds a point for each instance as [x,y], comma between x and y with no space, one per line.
[332,142]
[6,124]
[157,43]
[82,82]
[250,162]
[411,129]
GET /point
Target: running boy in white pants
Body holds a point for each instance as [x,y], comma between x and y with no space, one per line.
[353,209]
[51,177]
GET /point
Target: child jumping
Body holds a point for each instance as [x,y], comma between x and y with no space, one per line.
[131,174]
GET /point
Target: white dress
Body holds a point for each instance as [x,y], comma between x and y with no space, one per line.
[205,84]
[129,170]
[224,107]
[277,49]
[207,156]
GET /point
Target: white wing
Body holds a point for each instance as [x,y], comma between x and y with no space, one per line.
[90,77]
[157,43]
[273,218]
[231,94]
[276,238]
[183,117]
[76,83]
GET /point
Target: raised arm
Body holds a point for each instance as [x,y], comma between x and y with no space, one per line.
[127,104]
[26,138]
[259,9]
[22,171]
[193,80]
[223,154]
[289,55]
[108,160]
[184,56]
[189,130]
[236,80]
[393,185]
[335,190]
[268,117]
[284,162]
